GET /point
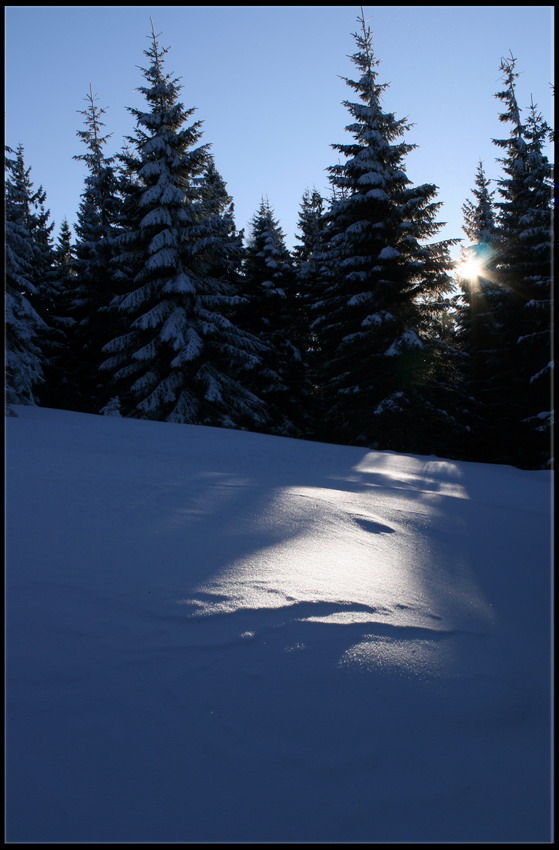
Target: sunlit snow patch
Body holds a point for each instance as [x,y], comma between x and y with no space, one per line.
[357,555]
[333,554]
[412,473]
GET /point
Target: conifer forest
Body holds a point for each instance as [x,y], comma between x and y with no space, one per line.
[153,305]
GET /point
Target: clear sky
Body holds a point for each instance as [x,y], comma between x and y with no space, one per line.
[266,82]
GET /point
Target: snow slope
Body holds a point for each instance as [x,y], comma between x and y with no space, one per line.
[218,636]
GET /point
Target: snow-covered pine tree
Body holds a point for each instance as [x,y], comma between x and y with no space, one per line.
[311,225]
[64,262]
[536,341]
[44,272]
[383,286]
[126,261]
[523,269]
[181,358]
[273,314]
[37,217]
[479,220]
[478,317]
[52,277]
[220,245]
[94,286]
[58,389]
[234,355]
[24,326]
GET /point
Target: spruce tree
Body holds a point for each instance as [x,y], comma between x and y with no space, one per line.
[219,246]
[311,225]
[181,358]
[38,222]
[536,341]
[478,317]
[51,300]
[64,259]
[382,302]
[94,285]
[523,271]
[272,314]
[24,255]
[58,389]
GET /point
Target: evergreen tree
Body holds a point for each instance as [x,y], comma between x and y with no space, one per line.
[181,358]
[24,326]
[58,389]
[382,301]
[478,316]
[311,227]
[536,340]
[64,256]
[479,218]
[126,263]
[94,285]
[272,314]
[220,246]
[36,217]
[51,298]
[39,225]
[523,270]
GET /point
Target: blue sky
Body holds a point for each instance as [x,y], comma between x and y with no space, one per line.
[266,82]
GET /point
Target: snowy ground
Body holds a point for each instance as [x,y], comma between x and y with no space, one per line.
[216,636]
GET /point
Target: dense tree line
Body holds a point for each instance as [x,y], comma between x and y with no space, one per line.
[161,309]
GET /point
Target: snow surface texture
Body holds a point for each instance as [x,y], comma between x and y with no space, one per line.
[218,636]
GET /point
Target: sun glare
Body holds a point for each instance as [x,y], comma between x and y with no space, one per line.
[470,269]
